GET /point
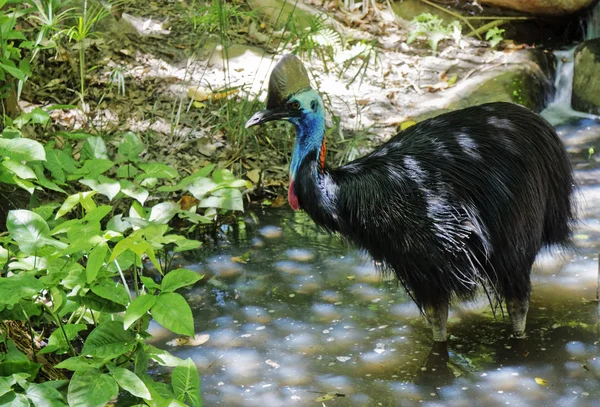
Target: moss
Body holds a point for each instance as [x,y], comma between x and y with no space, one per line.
[586,78]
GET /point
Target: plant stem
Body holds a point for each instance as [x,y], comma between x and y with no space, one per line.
[62,328]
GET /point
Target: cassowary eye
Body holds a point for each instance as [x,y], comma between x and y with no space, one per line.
[313,105]
[295,105]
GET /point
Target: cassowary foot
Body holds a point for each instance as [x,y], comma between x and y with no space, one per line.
[437,316]
[517,310]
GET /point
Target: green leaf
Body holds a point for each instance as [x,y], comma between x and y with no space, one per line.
[44,395]
[185,182]
[105,186]
[16,72]
[94,147]
[116,292]
[6,384]
[3,256]
[16,287]
[73,200]
[131,146]
[163,357]
[39,116]
[13,399]
[137,193]
[201,187]
[79,363]
[20,170]
[53,164]
[117,224]
[109,340]
[229,199]
[14,361]
[95,262]
[163,212]
[97,214]
[91,388]
[179,278]
[173,312]
[138,308]
[186,383]
[57,342]
[22,149]
[157,170]
[127,171]
[222,176]
[28,229]
[92,169]
[130,382]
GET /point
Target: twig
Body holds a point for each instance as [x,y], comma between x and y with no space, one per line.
[487,26]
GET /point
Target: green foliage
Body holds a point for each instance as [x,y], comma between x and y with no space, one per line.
[494,35]
[69,263]
[430,27]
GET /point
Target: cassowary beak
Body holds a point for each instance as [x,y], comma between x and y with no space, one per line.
[267,115]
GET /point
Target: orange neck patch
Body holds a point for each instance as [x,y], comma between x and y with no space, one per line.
[322,155]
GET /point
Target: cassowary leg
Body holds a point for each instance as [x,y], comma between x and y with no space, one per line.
[517,310]
[437,316]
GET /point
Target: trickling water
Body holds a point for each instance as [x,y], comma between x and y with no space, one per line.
[593,24]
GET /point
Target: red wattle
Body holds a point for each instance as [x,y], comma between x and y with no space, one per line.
[292,197]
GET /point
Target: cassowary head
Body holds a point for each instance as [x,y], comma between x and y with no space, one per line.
[290,97]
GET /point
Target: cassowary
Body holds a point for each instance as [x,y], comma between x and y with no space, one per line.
[456,202]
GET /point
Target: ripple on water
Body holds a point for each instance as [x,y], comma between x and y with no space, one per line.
[301,255]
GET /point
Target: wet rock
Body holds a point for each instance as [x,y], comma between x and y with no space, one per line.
[586,81]
[542,7]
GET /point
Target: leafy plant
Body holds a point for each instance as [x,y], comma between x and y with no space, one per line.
[431,27]
[494,35]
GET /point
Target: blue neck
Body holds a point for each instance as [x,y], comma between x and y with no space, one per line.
[310,131]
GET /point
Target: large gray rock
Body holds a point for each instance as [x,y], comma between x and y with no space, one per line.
[542,7]
[586,77]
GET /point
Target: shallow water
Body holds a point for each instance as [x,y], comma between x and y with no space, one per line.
[307,315]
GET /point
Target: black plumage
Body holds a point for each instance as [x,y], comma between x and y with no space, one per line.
[456,202]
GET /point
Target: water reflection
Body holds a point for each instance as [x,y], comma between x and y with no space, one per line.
[294,314]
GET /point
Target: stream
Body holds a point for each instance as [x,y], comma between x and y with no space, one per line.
[297,317]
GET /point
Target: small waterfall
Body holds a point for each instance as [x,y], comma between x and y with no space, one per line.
[592,27]
[563,83]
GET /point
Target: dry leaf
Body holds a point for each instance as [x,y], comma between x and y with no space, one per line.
[187,201]
[541,381]
[271,363]
[253,175]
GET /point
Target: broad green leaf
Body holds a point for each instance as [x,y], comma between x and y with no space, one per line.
[186,383]
[24,184]
[116,292]
[109,340]
[18,286]
[131,146]
[178,278]
[58,343]
[6,384]
[84,232]
[94,147]
[163,357]
[3,256]
[15,362]
[28,229]
[163,212]
[20,170]
[117,224]
[229,199]
[78,363]
[201,187]
[222,176]
[13,399]
[92,169]
[39,116]
[53,165]
[130,382]
[95,262]
[173,312]
[44,395]
[73,200]
[22,149]
[97,214]
[137,193]
[104,185]
[138,308]
[185,182]
[186,244]
[158,170]
[127,171]
[91,388]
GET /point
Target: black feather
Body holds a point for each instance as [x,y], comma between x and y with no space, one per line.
[455,202]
